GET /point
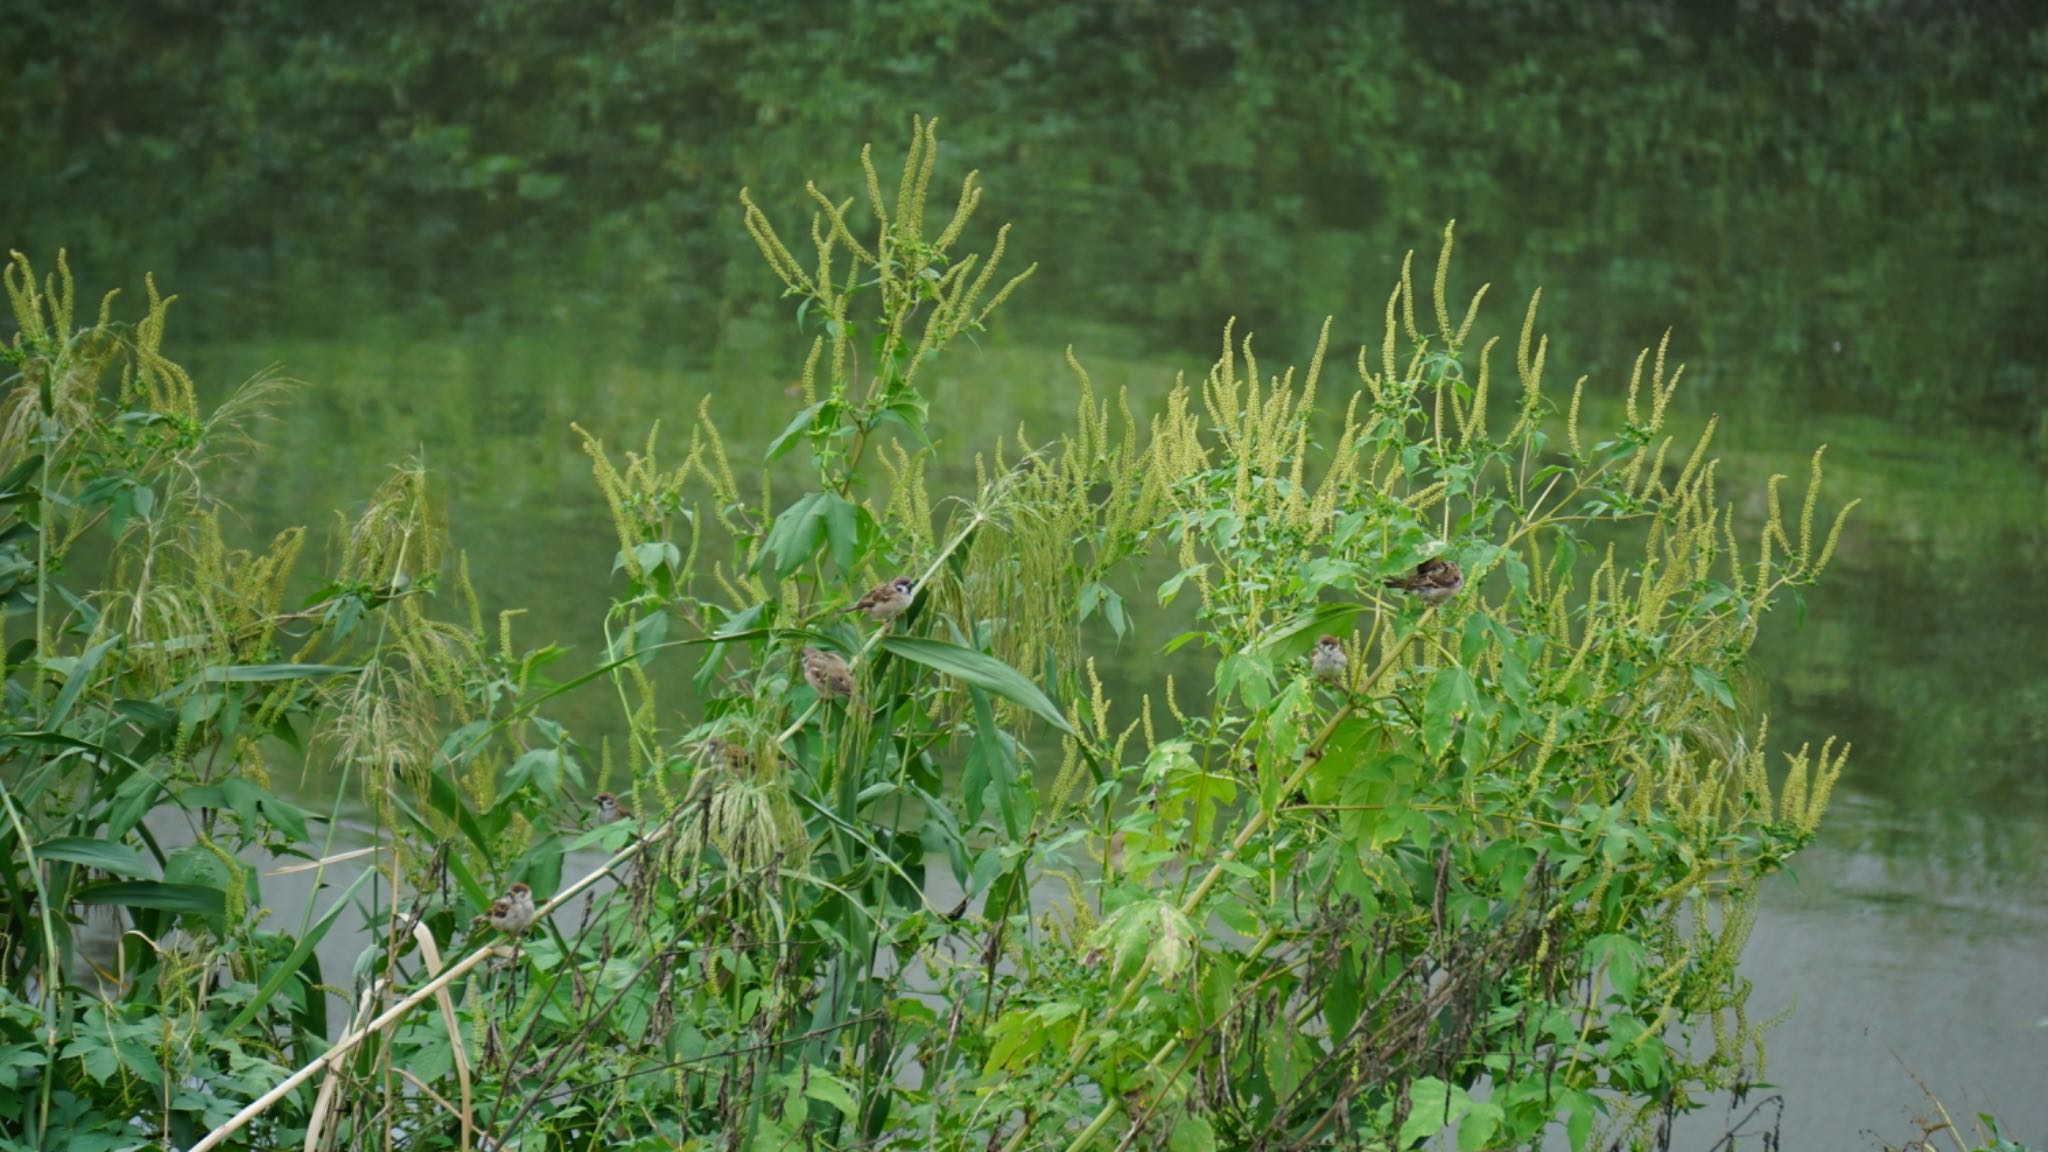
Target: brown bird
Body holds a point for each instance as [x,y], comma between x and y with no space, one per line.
[726,755]
[512,913]
[885,602]
[1328,662]
[827,674]
[1434,581]
[609,810]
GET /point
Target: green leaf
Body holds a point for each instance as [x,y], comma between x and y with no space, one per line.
[156,894]
[1250,676]
[540,767]
[105,855]
[1623,958]
[1097,593]
[297,958]
[540,866]
[825,1088]
[794,537]
[798,425]
[79,676]
[980,670]
[253,804]
[14,487]
[99,1058]
[1579,1109]
[1171,588]
[842,520]
[653,556]
[1292,638]
[1711,683]
[1284,1068]
[1432,1106]
[1017,1037]
[992,759]
[1451,694]
[1476,1132]
[1113,607]
[264,673]
[1191,1133]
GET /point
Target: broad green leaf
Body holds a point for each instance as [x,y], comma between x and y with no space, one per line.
[1712,683]
[1451,695]
[993,760]
[826,1088]
[105,855]
[14,486]
[156,894]
[1432,1106]
[99,1058]
[980,670]
[252,804]
[1191,1133]
[798,425]
[1113,608]
[194,864]
[794,537]
[1579,1111]
[1171,588]
[1623,958]
[540,767]
[842,520]
[1284,1068]
[652,556]
[540,866]
[1017,1037]
[1475,1134]
[1251,677]
[79,676]
[1293,637]
[1218,985]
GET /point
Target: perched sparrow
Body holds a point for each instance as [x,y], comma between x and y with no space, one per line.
[1328,661]
[513,912]
[727,756]
[885,602]
[827,674]
[1435,580]
[609,810]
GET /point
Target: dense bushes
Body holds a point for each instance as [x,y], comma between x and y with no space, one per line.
[1493,875]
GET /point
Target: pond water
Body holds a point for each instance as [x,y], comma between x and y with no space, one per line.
[1911,941]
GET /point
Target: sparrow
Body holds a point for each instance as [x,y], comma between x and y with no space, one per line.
[609,810]
[827,674]
[512,913]
[1328,661]
[727,756]
[1435,580]
[885,602]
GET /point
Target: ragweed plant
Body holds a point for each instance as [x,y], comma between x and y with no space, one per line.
[1492,877]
